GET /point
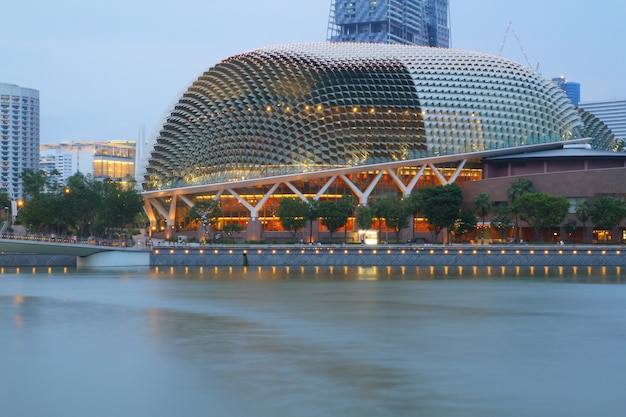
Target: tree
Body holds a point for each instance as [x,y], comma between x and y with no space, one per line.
[483,204]
[376,206]
[33,182]
[441,206]
[396,211]
[43,213]
[346,205]
[231,228]
[517,189]
[5,204]
[121,205]
[582,214]
[501,220]
[364,217]
[541,210]
[206,213]
[607,212]
[292,213]
[413,203]
[332,216]
[82,200]
[312,215]
[570,228]
[465,223]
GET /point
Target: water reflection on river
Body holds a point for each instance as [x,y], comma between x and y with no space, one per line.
[325,341]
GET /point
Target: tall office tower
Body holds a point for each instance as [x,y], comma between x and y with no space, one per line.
[611,112]
[571,89]
[19,136]
[419,22]
[437,23]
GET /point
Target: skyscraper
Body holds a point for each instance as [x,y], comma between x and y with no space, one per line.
[19,136]
[572,89]
[611,112]
[419,22]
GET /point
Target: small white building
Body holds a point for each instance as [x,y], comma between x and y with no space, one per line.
[115,159]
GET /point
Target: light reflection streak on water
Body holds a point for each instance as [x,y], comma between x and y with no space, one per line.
[367,273]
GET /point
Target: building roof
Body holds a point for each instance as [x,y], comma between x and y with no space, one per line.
[566,152]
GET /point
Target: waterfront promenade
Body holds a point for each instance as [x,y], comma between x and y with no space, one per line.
[355,255]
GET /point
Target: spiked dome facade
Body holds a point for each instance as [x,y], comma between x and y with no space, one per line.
[311,107]
[309,110]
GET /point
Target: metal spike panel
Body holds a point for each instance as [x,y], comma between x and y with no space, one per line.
[312,107]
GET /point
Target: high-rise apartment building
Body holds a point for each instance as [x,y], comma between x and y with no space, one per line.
[19,136]
[611,112]
[419,22]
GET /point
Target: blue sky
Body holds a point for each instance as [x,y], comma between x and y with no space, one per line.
[106,70]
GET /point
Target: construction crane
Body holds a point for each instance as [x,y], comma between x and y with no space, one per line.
[519,43]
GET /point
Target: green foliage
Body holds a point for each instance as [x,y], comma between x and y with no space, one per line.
[231,229]
[83,199]
[607,212]
[582,214]
[541,210]
[396,211]
[43,213]
[517,189]
[364,217]
[312,215]
[441,206]
[82,207]
[292,213]
[33,182]
[501,220]
[5,200]
[483,204]
[570,227]
[465,224]
[332,216]
[206,214]
[121,205]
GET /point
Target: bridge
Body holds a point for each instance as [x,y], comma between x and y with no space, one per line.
[86,255]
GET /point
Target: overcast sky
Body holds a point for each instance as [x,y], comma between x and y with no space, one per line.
[106,70]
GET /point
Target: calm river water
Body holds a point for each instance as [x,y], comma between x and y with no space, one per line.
[311,342]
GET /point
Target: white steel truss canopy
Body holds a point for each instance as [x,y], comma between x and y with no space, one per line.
[185,194]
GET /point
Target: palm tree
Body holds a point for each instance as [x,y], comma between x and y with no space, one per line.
[582,214]
[312,214]
[518,188]
[483,204]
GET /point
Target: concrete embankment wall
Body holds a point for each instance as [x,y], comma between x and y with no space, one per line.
[358,256]
[392,256]
[29,259]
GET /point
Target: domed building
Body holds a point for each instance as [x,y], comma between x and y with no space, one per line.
[323,120]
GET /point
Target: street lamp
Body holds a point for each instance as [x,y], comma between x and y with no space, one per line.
[16,205]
